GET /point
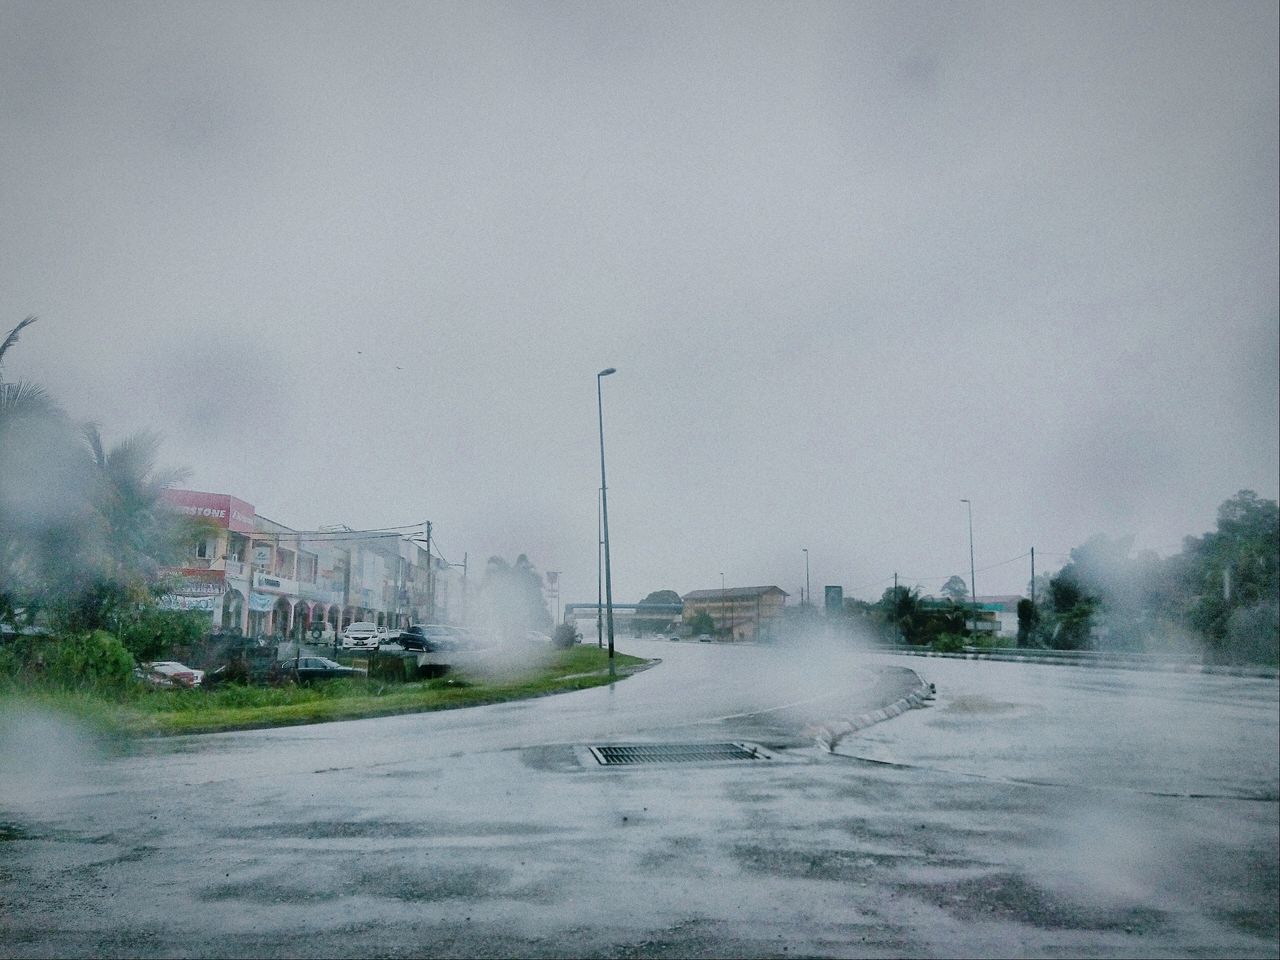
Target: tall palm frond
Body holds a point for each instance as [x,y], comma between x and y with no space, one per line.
[23,399]
[12,338]
[138,533]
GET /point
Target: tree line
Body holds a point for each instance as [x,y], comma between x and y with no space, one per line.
[1219,594]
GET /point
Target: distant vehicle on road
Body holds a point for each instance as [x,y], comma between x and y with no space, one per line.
[307,669]
[363,635]
[704,638]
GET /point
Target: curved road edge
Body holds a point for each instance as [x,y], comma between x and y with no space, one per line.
[900,689]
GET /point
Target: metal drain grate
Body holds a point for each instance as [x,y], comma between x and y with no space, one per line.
[620,754]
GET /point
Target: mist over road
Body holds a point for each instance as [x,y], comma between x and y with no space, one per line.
[1031,810]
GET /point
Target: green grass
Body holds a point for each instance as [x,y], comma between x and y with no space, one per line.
[136,711]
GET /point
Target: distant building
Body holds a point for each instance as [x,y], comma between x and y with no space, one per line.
[1004,608]
[742,613]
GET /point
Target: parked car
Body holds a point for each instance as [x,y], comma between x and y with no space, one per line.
[179,674]
[307,669]
[153,679]
[322,633]
[430,637]
[363,635]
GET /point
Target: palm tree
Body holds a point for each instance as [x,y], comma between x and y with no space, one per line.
[41,489]
[11,339]
[136,533]
[82,527]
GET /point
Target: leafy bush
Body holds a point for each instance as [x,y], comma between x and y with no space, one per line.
[95,659]
[948,643]
[150,633]
[566,636]
[991,642]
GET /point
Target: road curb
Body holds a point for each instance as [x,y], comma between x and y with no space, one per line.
[1159,666]
[829,734]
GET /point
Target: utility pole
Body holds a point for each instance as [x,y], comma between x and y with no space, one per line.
[808,591]
[1033,578]
[973,584]
[431,580]
[465,621]
[897,627]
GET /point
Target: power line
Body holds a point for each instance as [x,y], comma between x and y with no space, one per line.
[1002,563]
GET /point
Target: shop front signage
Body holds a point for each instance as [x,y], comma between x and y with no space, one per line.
[196,582]
[220,509]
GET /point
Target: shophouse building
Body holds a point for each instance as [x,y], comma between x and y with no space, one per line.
[267,579]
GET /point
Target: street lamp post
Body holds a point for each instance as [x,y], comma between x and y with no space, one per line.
[808,591]
[604,512]
[599,578]
[973,587]
[724,600]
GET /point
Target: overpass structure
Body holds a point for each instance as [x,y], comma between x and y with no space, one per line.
[624,613]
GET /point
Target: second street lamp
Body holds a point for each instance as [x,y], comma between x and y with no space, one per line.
[808,591]
[604,512]
[973,587]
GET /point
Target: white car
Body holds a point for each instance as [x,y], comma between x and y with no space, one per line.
[178,673]
[363,635]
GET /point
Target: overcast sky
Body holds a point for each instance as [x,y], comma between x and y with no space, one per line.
[361,262]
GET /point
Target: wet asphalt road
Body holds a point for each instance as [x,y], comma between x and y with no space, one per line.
[1029,811]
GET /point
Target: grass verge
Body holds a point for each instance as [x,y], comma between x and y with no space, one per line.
[139,712]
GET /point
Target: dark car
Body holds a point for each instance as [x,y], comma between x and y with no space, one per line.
[427,637]
[307,669]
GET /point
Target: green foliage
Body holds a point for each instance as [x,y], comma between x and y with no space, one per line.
[1223,586]
[1232,577]
[149,632]
[948,643]
[566,635]
[81,524]
[93,659]
[904,615]
[956,589]
[136,710]
[898,609]
[702,622]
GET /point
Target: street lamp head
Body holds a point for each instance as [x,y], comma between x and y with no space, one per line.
[607,371]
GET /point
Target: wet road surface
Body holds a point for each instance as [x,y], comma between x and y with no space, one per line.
[1031,810]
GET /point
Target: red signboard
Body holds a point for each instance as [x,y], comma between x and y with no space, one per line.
[219,508]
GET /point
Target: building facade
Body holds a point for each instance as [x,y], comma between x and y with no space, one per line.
[741,613]
[258,576]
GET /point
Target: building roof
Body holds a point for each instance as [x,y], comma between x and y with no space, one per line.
[1009,601]
[736,593]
